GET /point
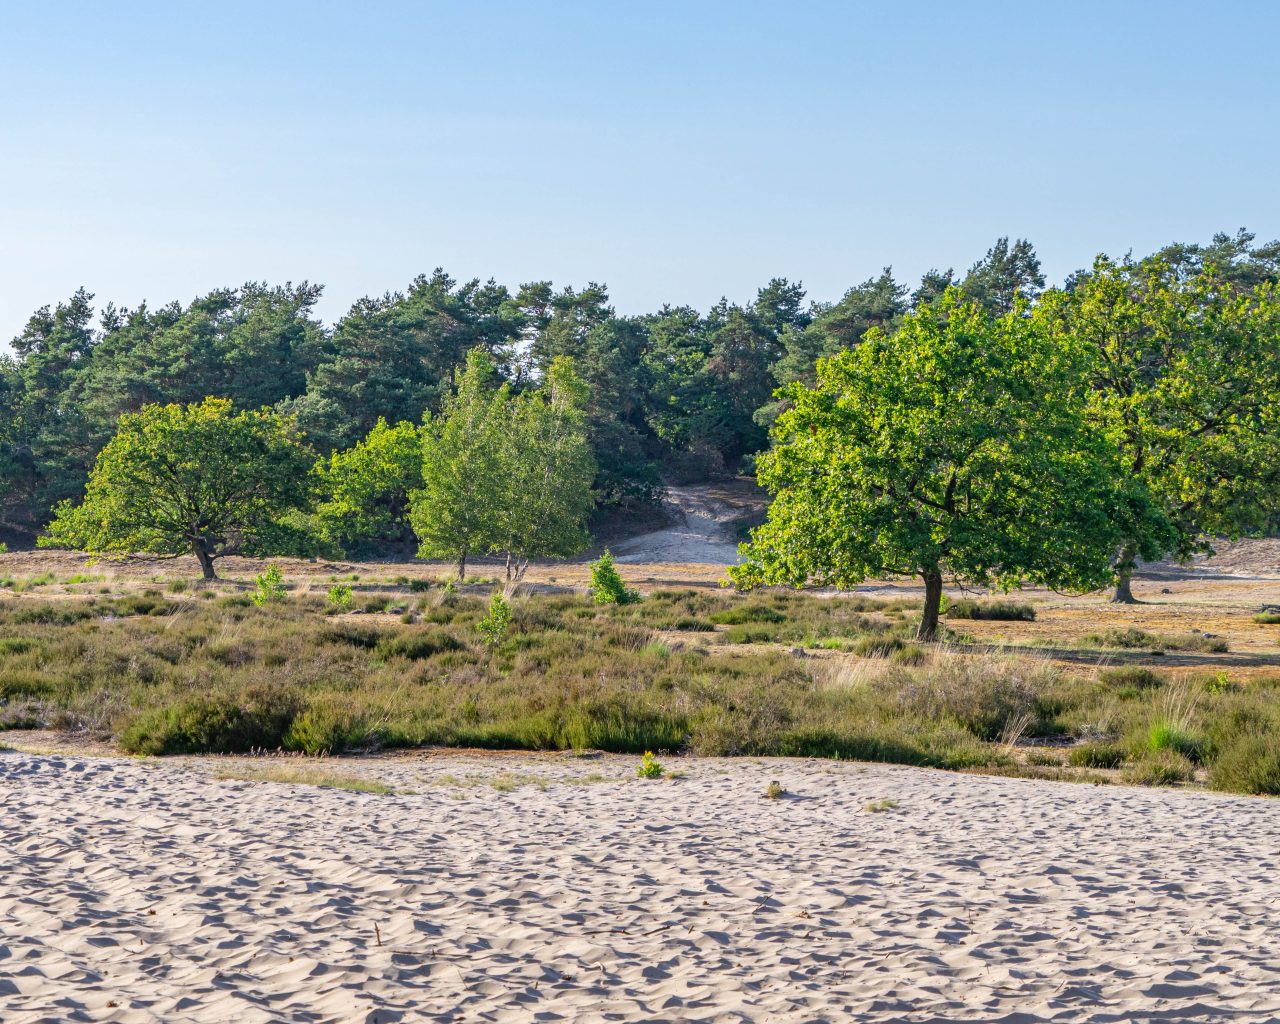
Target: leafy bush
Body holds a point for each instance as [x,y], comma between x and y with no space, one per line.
[339,596]
[494,626]
[1267,618]
[607,585]
[999,610]
[269,586]
[648,768]
[1097,755]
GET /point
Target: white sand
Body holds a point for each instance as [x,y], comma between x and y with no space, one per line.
[148,891]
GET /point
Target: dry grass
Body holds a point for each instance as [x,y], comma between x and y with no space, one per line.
[300,775]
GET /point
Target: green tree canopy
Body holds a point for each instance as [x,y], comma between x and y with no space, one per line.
[1185,375]
[956,446]
[365,489]
[547,468]
[200,478]
[455,513]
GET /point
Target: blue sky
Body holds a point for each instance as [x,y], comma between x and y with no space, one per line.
[676,151]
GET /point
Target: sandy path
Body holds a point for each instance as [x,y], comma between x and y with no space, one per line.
[151,892]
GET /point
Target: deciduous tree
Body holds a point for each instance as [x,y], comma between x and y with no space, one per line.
[956,446]
[201,479]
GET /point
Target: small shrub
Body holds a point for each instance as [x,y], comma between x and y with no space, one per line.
[494,626]
[747,613]
[325,729]
[178,587]
[1267,618]
[207,725]
[1248,762]
[419,586]
[1043,759]
[607,586]
[1166,734]
[649,768]
[1135,677]
[1166,768]
[339,596]
[1097,755]
[880,806]
[750,635]
[51,615]
[909,654]
[4,548]
[1140,639]
[16,645]
[877,646]
[774,791]
[367,637]
[269,586]
[1006,611]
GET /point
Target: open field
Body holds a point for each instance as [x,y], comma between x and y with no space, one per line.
[554,887]
[1183,689]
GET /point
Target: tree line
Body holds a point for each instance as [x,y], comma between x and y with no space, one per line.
[674,393]
[493,472]
[1134,413]
[980,427]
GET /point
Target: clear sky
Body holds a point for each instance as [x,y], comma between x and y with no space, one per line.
[675,151]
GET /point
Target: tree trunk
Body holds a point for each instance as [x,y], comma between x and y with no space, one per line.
[932,605]
[201,551]
[1124,577]
[462,567]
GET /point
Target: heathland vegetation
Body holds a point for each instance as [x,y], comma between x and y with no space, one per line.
[980,430]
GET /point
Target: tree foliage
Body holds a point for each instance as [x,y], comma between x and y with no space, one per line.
[201,479]
[1185,382]
[365,488]
[956,445]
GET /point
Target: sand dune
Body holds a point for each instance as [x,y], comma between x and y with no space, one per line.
[150,891]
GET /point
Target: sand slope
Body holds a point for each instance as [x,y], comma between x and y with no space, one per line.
[148,891]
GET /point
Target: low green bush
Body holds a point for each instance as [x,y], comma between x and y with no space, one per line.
[1164,768]
[1248,762]
[1166,734]
[745,614]
[1267,618]
[418,644]
[1134,676]
[1007,611]
[213,725]
[877,646]
[1097,755]
[1140,639]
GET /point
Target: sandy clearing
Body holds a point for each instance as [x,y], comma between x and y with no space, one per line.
[148,891]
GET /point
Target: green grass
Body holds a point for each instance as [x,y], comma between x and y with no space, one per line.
[1267,618]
